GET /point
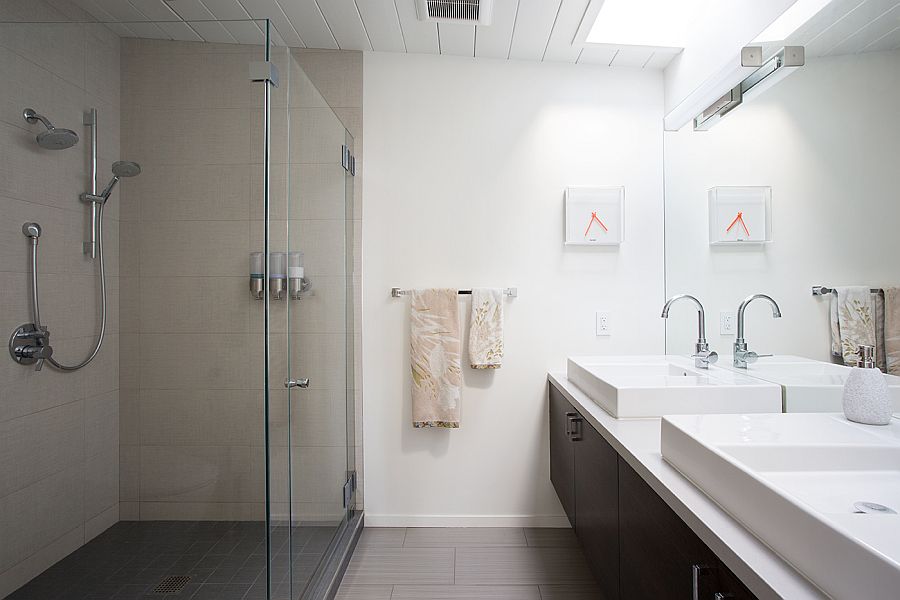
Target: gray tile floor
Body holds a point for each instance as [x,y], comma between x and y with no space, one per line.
[224,560]
[467,564]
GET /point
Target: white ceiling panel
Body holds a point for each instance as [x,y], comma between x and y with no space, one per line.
[124,11]
[533,27]
[633,56]
[101,15]
[178,30]
[852,22]
[346,24]
[597,55]
[456,39]
[270,9]
[212,31]
[307,19]
[421,37]
[245,32]
[155,10]
[494,40]
[382,24]
[560,47]
[874,30]
[891,41]
[225,9]
[536,30]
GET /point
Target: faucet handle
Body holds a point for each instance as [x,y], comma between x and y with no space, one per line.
[704,358]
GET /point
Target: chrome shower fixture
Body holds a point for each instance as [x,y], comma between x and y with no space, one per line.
[54,138]
[120,169]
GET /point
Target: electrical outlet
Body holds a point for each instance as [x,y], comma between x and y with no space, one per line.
[604,325]
[727,322]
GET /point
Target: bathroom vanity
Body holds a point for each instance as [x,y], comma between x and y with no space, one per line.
[634,514]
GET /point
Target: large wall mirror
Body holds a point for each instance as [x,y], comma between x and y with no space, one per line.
[826,141]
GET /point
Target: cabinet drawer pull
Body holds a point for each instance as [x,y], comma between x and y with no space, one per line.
[570,416]
[576,428]
[697,572]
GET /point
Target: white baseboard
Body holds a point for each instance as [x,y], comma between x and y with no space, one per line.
[466,520]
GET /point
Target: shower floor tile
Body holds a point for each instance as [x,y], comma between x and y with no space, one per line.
[224,560]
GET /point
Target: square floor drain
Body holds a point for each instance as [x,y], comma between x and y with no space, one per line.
[172,585]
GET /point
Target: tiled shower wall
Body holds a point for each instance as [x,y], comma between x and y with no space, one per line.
[192,424]
[59,470]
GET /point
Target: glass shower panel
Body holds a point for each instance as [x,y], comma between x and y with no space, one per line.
[317,325]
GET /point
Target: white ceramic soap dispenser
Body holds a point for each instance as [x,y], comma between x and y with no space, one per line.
[867,399]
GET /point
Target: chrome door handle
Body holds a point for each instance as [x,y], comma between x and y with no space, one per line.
[296,383]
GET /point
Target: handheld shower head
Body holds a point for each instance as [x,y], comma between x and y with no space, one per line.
[54,138]
[121,168]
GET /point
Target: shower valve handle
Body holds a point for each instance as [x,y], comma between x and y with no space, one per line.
[300,383]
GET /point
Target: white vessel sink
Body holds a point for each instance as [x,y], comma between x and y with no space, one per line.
[809,385]
[652,386]
[793,480]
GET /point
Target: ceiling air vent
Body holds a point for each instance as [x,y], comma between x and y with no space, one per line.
[471,12]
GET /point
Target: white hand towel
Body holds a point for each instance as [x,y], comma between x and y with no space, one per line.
[486,329]
[852,322]
[434,358]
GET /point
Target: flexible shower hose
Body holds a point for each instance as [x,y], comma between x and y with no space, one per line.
[36,304]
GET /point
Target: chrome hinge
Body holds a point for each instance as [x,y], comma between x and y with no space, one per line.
[348,161]
[349,488]
[264,71]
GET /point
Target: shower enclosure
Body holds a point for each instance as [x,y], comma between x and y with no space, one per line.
[206,446]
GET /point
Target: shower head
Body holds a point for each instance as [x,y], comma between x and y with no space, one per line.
[120,168]
[126,168]
[54,138]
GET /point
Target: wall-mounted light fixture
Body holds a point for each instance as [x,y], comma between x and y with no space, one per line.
[765,76]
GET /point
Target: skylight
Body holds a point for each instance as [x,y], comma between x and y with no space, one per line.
[665,23]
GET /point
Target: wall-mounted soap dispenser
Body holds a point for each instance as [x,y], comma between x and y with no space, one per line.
[257,275]
[277,275]
[297,281]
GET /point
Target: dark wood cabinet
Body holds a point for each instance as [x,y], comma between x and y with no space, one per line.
[562,452]
[636,545]
[597,507]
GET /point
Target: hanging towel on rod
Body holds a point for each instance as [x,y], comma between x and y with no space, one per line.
[852,322]
[434,355]
[486,329]
[892,330]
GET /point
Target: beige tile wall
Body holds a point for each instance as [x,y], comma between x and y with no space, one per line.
[59,432]
[192,406]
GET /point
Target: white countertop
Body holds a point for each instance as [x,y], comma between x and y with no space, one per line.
[638,442]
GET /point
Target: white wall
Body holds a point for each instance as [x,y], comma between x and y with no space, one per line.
[467,161]
[827,139]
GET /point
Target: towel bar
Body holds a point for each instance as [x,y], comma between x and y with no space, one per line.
[821,290]
[509,292]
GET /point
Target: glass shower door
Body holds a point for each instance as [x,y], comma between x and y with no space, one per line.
[309,331]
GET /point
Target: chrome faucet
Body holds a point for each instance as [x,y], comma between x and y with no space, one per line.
[742,356]
[703,356]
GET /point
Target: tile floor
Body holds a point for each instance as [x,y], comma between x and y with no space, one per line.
[225,561]
[467,564]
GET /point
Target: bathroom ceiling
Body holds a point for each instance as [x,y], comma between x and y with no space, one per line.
[536,30]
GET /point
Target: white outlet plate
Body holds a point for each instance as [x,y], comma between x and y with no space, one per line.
[604,323]
[727,322]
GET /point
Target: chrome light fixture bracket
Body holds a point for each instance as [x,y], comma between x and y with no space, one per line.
[767,73]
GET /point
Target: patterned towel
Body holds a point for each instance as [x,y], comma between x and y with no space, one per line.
[486,329]
[892,329]
[852,322]
[434,358]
